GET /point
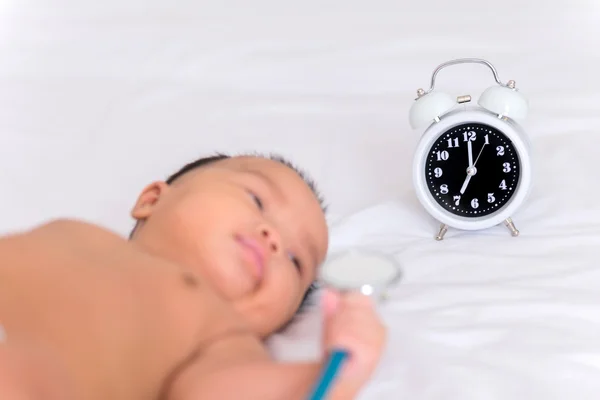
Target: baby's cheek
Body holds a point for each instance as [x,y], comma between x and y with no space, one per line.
[285,295]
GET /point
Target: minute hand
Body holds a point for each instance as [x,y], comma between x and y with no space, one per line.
[470,152]
[480,151]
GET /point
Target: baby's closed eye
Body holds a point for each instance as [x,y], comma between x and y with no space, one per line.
[257,200]
[295,261]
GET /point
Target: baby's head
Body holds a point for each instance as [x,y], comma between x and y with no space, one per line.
[253,227]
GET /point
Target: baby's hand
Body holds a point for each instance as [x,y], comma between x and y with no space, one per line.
[352,324]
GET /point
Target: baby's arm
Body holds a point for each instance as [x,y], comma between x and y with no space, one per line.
[239,367]
[256,381]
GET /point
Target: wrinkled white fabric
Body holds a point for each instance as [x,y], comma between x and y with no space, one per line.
[483,315]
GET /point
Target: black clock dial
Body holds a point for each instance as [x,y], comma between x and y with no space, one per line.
[472,185]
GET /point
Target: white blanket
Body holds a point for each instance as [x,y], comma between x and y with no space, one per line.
[485,315]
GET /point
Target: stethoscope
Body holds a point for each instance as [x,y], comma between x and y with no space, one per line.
[369,272]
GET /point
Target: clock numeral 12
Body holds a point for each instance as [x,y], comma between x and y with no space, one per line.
[471,135]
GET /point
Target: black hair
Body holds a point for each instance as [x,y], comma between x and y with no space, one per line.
[201,162]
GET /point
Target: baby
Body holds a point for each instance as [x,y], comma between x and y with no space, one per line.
[223,254]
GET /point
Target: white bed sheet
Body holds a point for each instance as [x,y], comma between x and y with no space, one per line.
[99,98]
[485,315]
[482,316]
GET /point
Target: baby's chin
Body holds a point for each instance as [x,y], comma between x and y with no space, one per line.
[230,287]
[262,322]
[264,331]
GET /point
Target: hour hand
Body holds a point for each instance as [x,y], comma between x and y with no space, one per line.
[465,184]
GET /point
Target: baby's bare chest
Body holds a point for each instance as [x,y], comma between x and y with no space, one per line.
[118,318]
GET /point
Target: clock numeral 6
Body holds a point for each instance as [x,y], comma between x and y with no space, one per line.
[442,155]
[444,189]
[506,167]
[438,172]
[475,203]
[491,198]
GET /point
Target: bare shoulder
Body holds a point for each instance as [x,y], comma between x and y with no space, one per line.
[61,226]
[62,242]
[74,227]
[61,232]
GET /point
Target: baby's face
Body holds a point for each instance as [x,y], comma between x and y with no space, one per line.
[251,226]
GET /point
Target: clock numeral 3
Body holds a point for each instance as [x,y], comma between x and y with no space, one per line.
[438,172]
[444,189]
[506,167]
[475,203]
[442,155]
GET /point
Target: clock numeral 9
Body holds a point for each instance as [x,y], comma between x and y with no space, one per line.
[442,155]
[471,135]
[506,167]
[491,198]
[444,189]
[475,203]
[438,172]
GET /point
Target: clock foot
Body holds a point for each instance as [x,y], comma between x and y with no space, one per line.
[442,232]
[511,226]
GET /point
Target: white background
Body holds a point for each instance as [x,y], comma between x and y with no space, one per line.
[99,98]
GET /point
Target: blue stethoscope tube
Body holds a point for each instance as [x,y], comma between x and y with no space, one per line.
[330,371]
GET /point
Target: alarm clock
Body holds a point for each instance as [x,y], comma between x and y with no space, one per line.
[472,165]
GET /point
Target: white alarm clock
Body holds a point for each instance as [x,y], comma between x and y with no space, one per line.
[472,166]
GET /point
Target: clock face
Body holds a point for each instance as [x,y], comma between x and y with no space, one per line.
[472,170]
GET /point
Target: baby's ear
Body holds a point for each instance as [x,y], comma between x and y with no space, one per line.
[147,200]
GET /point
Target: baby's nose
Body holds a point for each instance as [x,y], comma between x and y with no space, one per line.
[272,238]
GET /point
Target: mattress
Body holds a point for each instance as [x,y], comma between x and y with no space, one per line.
[97,99]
